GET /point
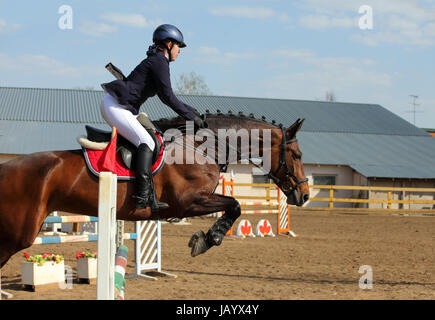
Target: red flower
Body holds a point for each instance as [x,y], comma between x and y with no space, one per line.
[265,228]
[246,228]
[26,255]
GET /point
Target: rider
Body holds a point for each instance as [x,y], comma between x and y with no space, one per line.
[121,104]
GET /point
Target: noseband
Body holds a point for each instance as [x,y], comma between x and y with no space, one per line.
[283,163]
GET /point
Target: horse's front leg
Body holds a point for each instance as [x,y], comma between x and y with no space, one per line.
[201,242]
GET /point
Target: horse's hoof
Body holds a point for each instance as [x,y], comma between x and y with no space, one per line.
[198,244]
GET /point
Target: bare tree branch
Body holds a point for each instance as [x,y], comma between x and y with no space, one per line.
[191,83]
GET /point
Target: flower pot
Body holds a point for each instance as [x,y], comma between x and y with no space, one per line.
[87,270]
[49,275]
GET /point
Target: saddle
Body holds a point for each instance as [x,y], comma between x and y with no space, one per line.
[96,141]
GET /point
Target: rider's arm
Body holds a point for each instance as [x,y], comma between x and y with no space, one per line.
[164,90]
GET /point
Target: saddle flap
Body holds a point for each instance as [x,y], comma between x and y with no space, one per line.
[127,157]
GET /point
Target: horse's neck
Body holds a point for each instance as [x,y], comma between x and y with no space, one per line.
[253,138]
[261,135]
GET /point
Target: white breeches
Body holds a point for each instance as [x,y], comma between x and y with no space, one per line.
[125,122]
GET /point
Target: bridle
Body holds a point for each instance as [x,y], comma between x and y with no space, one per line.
[283,164]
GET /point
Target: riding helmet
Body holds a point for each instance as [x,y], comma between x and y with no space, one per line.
[168,31]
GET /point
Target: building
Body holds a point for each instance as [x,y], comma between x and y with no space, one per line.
[342,143]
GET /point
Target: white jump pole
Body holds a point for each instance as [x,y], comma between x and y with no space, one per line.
[106,236]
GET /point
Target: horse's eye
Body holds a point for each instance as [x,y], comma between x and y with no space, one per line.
[297,156]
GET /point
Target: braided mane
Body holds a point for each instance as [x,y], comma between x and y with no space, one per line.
[165,123]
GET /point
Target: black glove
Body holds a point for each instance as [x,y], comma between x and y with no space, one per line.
[199,123]
[196,112]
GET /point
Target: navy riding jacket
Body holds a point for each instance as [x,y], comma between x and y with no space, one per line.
[149,78]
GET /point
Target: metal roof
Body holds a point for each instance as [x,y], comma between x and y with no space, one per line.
[382,156]
[366,137]
[23,137]
[82,106]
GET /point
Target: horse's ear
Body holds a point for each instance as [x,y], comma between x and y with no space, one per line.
[294,128]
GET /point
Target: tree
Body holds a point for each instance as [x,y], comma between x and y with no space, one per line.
[191,83]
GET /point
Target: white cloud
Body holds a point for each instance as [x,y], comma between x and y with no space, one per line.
[208,51]
[302,55]
[399,31]
[37,64]
[215,56]
[392,37]
[408,8]
[309,57]
[429,29]
[351,83]
[324,22]
[405,22]
[244,12]
[283,17]
[338,80]
[260,13]
[130,19]
[5,27]
[114,20]
[96,29]
[346,77]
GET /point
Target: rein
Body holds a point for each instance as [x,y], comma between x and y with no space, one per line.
[271,175]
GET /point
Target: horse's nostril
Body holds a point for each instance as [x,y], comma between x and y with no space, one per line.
[306,197]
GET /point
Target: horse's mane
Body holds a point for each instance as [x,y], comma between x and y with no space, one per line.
[175,122]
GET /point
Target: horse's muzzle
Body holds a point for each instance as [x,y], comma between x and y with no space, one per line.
[297,198]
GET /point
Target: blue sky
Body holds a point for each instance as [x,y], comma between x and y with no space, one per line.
[255,48]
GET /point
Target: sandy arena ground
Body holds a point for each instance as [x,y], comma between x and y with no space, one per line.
[322,262]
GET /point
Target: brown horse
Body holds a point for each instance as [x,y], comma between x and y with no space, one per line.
[34,185]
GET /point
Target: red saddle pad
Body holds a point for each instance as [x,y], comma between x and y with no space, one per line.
[95,158]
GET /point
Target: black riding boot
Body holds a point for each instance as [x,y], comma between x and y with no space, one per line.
[145,190]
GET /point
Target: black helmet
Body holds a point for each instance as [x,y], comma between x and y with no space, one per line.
[168,31]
